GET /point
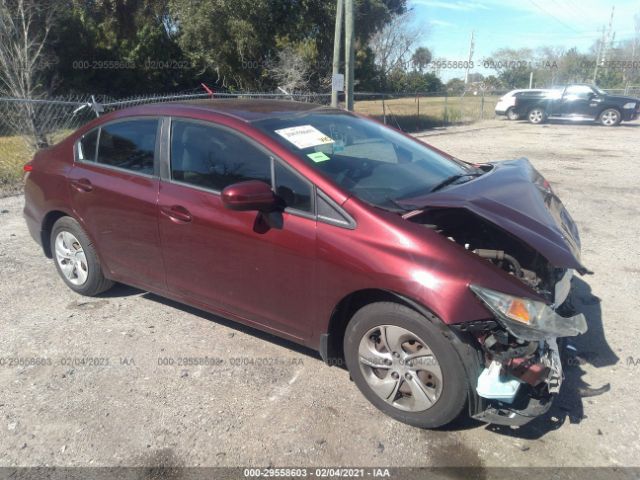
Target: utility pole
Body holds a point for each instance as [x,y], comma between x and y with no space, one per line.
[349,54]
[598,55]
[471,47]
[606,44]
[337,40]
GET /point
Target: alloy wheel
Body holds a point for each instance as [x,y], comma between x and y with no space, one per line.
[400,368]
[536,115]
[610,118]
[71,258]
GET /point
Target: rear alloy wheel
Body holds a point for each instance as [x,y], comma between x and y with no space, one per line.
[76,259]
[610,117]
[511,114]
[537,115]
[404,365]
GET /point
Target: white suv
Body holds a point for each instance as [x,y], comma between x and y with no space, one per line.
[507,102]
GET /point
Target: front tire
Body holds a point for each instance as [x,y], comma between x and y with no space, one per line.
[537,115]
[610,117]
[76,259]
[404,365]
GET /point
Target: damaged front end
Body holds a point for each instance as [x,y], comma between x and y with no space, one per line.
[522,370]
[511,218]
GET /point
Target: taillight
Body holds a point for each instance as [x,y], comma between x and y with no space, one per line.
[27,167]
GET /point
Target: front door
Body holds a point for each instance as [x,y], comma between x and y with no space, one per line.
[236,262]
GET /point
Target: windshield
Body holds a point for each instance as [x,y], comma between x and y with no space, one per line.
[372,162]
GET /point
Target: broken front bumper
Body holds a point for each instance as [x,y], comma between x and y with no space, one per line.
[523,370]
[537,379]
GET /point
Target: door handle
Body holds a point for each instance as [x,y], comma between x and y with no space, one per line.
[176,213]
[82,185]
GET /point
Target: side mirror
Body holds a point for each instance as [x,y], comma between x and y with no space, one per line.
[249,195]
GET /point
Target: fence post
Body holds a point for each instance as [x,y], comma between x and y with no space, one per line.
[418,119]
[482,106]
[445,117]
[384,111]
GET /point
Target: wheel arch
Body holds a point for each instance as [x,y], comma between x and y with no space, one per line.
[616,108]
[331,340]
[48,222]
[466,346]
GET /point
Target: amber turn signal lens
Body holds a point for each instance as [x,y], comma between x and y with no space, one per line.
[518,311]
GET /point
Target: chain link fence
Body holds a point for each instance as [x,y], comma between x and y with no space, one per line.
[30,124]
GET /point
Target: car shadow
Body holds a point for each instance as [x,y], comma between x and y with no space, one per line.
[239,327]
[588,349]
[633,124]
[121,290]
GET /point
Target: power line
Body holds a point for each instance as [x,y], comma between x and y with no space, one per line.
[566,25]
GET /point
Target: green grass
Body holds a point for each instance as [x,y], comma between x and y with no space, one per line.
[14,153]
[412,114]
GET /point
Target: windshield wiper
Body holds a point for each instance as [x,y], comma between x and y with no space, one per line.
[454,178]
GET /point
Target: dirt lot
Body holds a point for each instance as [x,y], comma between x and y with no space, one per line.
[126,408]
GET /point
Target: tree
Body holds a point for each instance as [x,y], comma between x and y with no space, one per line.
[289,70]
[234,42]
[421,58]
[513,66]
[25,26]
[455,86]
[393,44]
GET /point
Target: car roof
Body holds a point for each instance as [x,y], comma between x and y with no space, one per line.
[248,110]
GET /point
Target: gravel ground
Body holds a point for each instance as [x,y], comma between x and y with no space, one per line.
[262,401]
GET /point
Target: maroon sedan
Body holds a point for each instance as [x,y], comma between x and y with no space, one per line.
[436,282]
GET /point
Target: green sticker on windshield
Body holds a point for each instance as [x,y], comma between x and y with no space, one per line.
[318,157]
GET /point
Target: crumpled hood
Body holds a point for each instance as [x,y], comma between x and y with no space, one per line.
[515,197]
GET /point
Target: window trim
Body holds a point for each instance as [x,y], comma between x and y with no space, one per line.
[76,146]
[166,176]
[156,151]
[349,224]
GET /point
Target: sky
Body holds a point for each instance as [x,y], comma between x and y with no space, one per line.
[516,24]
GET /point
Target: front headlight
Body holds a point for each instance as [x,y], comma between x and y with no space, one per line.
[629,105]
[528,319]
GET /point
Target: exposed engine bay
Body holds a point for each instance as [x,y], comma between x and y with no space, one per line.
[520,375]
[495,245]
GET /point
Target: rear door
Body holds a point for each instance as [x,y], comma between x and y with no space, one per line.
[114,191]
[236,262]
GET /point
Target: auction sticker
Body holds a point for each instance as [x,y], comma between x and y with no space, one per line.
[304,136]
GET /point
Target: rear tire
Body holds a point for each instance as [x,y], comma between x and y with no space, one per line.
[610,117]
[537,115]
[511,114]
[76,260]
[404,365]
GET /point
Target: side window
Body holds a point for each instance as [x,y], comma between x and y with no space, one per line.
[87,146]
[294,191]
[130,145]
[212,157]
[578,92]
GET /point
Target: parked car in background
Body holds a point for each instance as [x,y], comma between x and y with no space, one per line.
[577,102]
[506,104]
[440,284]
